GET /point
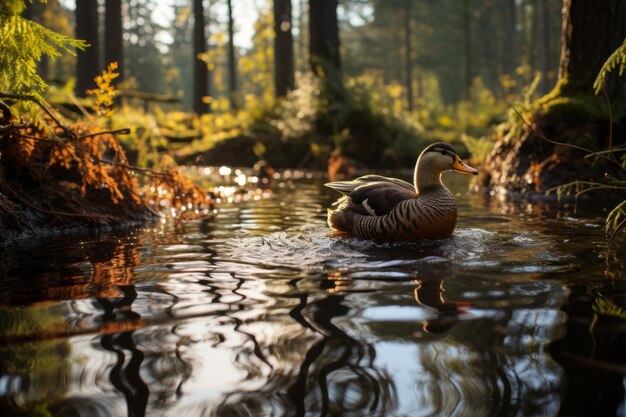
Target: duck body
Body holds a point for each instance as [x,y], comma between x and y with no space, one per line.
[389,209]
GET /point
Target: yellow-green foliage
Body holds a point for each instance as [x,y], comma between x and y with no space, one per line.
[104,95]
[145,138]
[562,105]
[24,42]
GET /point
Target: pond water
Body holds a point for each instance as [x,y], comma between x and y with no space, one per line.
[260,311]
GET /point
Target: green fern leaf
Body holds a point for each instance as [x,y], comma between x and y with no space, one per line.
[617,58]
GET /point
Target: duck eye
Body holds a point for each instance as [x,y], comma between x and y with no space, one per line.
[444,152]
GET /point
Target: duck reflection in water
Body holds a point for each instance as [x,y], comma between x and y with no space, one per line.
[430,293]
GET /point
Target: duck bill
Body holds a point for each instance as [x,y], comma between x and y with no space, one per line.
[463,168]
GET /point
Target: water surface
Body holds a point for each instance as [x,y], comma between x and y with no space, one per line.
[260,311]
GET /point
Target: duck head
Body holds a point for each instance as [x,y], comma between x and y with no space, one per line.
[436,159]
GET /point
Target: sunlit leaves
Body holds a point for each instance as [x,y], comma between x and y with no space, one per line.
[24,42]
[105,93]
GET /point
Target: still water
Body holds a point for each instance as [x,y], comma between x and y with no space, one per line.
[259,311]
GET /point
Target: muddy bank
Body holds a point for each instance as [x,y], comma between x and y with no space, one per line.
[526,166]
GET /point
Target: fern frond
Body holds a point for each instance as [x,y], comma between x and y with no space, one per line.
[24,42]
[617,58]
[614,217]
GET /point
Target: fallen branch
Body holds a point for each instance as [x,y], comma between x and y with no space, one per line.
[69,134]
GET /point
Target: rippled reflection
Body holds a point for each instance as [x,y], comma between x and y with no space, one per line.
[260,311]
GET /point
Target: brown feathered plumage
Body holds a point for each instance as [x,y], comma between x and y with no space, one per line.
[389,209]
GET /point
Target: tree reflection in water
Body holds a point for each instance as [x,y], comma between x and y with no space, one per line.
[185,325]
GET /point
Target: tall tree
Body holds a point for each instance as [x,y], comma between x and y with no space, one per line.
[232,61]
[113,46]
[200,71]
[510,36]
[468,48]
[592,30]
[409,57]
[542,43]
[302,66]
[284,78]
[87,29]
[323,34]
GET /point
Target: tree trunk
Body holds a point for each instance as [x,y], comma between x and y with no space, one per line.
[510,40]
[592,30]
[541,42]
[284,78]
[571,114]
[409,58]
[113,48]
[87,66]
[489,28]
[467,49]
[301,38]
[324,35]
[232,61]
[200,71]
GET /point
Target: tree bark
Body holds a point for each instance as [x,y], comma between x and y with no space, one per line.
[113,48]
[323,35]
[510,40]
[87,28]
[467,49]
[592,30]
[301,38]
[200,71]
[232,61]
[409,58]
[492,78]
[542,42]
[284,78]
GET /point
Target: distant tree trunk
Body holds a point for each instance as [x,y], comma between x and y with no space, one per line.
[232,61]
[87,66]
[323,34]
[113,47]
[301,37]
[592,30]
[409,58]
[489,50]
[420,84]
[284,78]
[200,71]
[467,49]
[542,42]
[510,39]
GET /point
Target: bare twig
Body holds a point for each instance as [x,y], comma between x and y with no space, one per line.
[68,133]
[123,131]
[145,171]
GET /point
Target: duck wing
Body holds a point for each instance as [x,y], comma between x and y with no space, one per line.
[374,194]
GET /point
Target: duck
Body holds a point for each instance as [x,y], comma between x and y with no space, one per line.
[386,209]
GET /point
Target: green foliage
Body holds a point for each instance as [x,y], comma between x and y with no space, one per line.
[24,42]
[364,118]
[617,59]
